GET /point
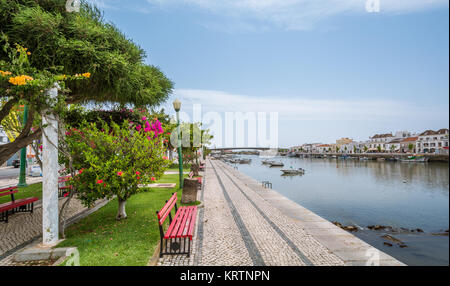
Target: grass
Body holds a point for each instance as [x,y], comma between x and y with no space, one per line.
[103,241]
[34,190]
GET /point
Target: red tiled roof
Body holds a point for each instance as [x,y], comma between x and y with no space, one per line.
[410,139]
[432,132]
[382,135]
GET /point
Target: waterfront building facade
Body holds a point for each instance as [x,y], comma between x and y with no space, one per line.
[408,145]
[432,141]
[436,142]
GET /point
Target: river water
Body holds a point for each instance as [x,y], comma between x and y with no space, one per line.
[363,193]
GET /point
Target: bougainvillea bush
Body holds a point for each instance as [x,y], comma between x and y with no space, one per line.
[115,159]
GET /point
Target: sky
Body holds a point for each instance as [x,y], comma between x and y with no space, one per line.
[329,68]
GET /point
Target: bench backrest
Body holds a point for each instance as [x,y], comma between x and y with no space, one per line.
[165,211]
[9,191]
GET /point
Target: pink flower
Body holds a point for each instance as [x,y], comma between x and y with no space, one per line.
[153,178]
[165,158]
[138,173]
[144,118]
[138,178]
[66,194]
[120,173]
[80,171]
[100,182]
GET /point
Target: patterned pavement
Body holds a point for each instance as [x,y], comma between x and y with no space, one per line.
[23,228]
[237,227]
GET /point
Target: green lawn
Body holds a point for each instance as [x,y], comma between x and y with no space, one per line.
[34,190]
[103,241]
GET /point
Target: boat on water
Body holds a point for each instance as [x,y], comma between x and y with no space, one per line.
[291,154]
[299,171]
[416,159]
[245,161]
[267,162]
[276,164]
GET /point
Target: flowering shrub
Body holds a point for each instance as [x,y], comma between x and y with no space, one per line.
[115,160]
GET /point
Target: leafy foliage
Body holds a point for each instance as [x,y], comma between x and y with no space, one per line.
[72,43]
[114,160]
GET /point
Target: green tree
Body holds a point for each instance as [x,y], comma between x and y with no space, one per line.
[61,46]
[392,148]
[114,160]
[193,139]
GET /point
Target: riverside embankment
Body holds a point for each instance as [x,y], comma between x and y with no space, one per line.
[242,223]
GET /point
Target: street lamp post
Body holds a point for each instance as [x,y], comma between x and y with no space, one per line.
[23,155]
[177,107]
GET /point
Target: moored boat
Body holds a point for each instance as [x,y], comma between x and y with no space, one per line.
[245,161]
[416,159]
[276,164]
[298,171]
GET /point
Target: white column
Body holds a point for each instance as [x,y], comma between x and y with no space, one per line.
[50,165]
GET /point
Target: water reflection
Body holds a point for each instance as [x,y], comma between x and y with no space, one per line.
[399,194]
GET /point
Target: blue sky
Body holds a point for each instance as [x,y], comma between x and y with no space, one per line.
[328,67]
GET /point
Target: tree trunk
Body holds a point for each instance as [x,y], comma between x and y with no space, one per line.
[190,188]
[121,214]
[7,150]
[195,168]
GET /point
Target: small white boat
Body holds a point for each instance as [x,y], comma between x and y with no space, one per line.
[245,161]
[276,164]
[298,171]
[267,162]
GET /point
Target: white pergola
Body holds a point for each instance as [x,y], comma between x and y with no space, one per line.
[50,207]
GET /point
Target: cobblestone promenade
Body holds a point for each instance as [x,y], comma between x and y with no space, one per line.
[237,226]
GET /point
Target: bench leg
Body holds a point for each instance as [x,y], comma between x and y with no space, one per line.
[5,216]
[189,247]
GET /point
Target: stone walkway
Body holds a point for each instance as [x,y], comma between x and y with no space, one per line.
[23,228]
[4,183]
[239,226]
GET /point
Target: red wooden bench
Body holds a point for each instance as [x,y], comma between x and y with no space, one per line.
[14,206]
[64,189]
[180,230]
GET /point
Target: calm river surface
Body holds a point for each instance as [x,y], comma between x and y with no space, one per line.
[363,193]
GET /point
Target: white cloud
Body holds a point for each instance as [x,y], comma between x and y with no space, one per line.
[293,14]
[302,108]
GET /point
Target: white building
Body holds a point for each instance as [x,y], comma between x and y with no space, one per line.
[433,142]
[323,148]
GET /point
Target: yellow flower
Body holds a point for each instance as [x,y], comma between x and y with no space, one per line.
[87,75]
[20,80]
[28,53]
[4,73]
